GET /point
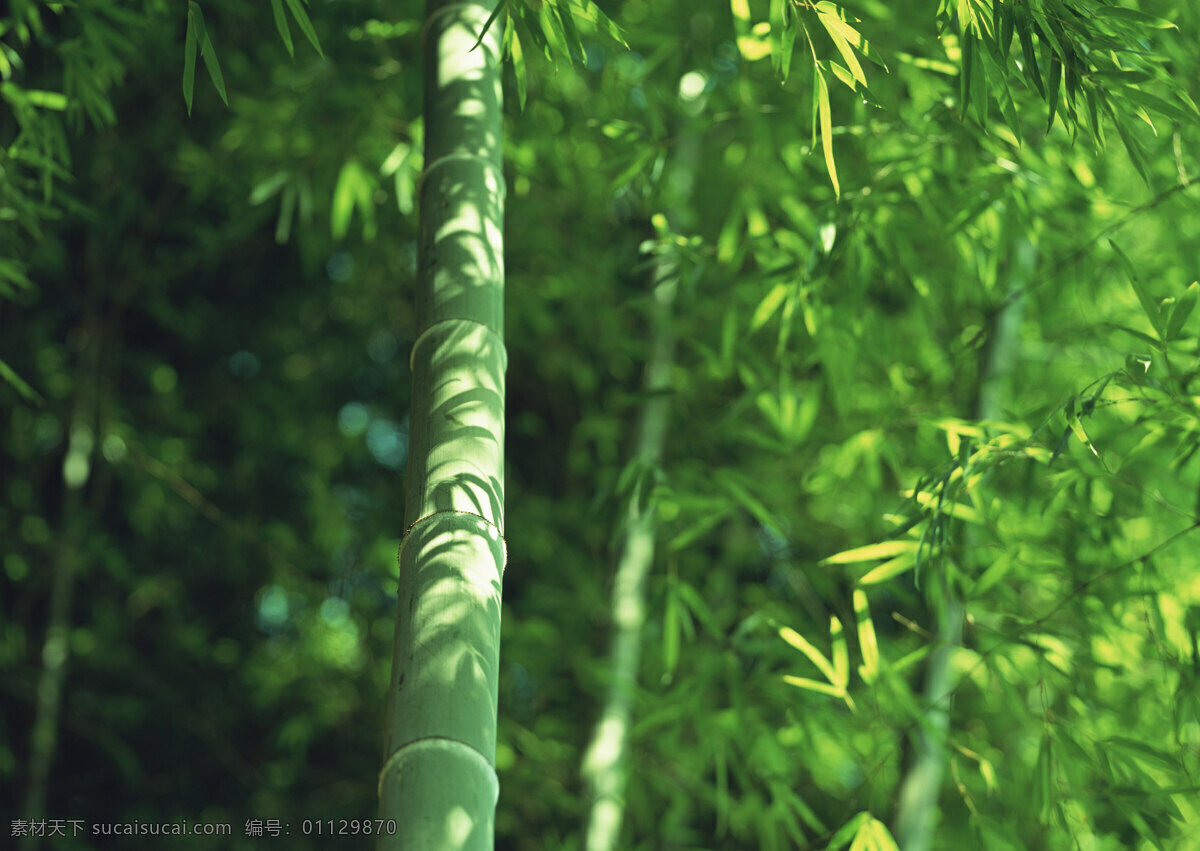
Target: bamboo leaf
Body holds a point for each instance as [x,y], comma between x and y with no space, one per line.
[10,375]
[979,89]
[994,573]
[1157,104]
[267,188]
[195,25]
[837,29]
[826,9]
[1025,34]
[305,24]
[518,59]
[1133,332]
[813,685]
[589,11]
[1093,98]
[1121,13]
[287,207]
[967,68]
[281,24]
[1181,310]
[1144,752]
[788,41]
[868,643]
[1149,306]
[848,831]
[1043,780]
[501,6]
[814,655]
[1137,154]
[345,198]
[556,39]
[826,118]
[841,655]
[14,273]
[768,306]
[570,33]
[1056,69]
[884,549]
[748,501]
[1006,27]
[671,633]
[209,55]
[888,569]
[690,597]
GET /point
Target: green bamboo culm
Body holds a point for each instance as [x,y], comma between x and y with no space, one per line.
[438,785]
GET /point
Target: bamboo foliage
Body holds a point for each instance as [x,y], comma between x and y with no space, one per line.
[438,784]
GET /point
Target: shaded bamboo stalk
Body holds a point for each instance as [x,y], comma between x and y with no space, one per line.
[917,804]
[605,763]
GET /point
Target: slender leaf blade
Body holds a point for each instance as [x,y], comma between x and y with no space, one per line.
[871,552]
[1149,306]
[281,24]
[305,25]
[209,55]
[1181,310]
[195,25]
[825,114]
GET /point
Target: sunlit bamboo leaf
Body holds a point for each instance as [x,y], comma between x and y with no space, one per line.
[995,572]
[883,549]
[853,36]
[841,654]
[889,569]
[826,118]
[813,685]
[768,306]
[838,29]
[345,198]
[806,647]
[848,831]
[868,643]
[556,39]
